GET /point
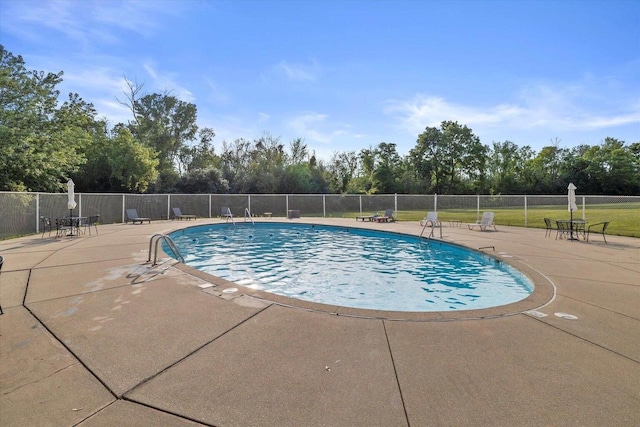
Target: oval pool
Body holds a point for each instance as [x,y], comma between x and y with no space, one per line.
[352,267]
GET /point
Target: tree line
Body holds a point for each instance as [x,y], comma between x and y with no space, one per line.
[161,149]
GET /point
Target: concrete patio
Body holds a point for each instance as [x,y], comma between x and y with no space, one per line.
[92,335]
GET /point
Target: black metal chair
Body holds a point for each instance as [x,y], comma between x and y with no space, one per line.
[599,228]
[562,229]
[91,221]
[549,225]
[63,225]
[46,225]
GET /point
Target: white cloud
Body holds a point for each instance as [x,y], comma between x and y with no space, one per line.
[166,82]
[215,93]
[87,21]
[313,127]
[551,107]
[298,72]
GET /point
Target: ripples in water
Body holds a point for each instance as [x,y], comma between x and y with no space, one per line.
[352,267]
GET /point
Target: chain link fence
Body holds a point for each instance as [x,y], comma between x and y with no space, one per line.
[20,213]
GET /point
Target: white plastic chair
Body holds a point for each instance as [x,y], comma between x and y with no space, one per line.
[485,222]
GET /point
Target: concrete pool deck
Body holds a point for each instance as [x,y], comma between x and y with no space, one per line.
[92,335]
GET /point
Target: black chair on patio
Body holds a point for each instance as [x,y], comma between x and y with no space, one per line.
[91,221]
[64,226]
[177,214]
[549,227]
[599,228]
[132,215]
[46,225]
[562,229]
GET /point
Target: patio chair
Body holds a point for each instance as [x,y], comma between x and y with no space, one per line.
[226,213]
[91,221]
[431,220]
[599,228]
[64,226]
[562,229]
[549,227]
[177,214]
[46,225]
[388,216]
[132,215]
[485,222]
[367,217]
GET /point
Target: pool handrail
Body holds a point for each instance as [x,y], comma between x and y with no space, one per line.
[169,241]
[248,214]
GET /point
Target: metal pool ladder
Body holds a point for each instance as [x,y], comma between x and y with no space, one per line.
[247,214]
[169,241]
[433,227]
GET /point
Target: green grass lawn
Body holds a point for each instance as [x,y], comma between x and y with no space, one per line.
[624,221]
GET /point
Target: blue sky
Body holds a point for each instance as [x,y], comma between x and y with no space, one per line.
[347,75]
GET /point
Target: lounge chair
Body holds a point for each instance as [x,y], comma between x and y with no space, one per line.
[367,217]
[485,222]
[431,220]
[177,214]
[226,213]
[132,215]
[599,228]
[388,216]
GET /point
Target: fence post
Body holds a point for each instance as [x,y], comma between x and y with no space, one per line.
[360,198]
[478,207]
[123,205]
[249,203]
[525,211]
[168,206]
[287,204]
[435,202]
[584,212]
[395,203]
[324,206]
[209,205]
[37,212]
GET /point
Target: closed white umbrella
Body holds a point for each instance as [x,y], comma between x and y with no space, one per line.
[71,203]
[572,205]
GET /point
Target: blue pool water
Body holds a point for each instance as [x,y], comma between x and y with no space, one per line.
[352,267]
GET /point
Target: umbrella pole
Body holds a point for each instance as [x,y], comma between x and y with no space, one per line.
[70,222]
[571,223]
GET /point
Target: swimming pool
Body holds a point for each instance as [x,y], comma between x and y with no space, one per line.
[352,267]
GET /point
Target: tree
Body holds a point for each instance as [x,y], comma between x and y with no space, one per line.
[133,165]
[299,151]
[201,156]
[450,159]
[41,144]
[542,173]
[615,167]
[236,157]
[505,167]
[342,170]
[202,181]
[166,124]
[387,169]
